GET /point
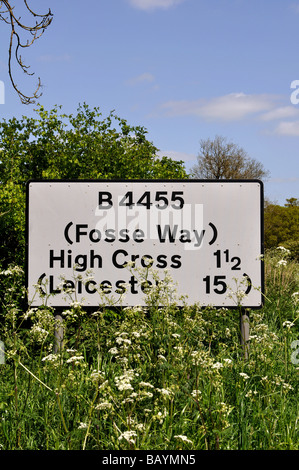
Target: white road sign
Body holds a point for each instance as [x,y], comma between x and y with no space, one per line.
[86,239]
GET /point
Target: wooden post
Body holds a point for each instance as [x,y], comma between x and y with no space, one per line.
[58,334]
[244,330]
[2,353]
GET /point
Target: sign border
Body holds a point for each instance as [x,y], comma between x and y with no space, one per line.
[124,180]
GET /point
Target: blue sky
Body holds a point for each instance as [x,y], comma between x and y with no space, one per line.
[186,70]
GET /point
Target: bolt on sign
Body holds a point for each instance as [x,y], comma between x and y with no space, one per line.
[119,238]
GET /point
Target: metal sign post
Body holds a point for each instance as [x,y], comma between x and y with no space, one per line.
[2,353]
[58,334]
[244,331]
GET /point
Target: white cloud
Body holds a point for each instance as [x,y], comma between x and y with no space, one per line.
[280,113]
[288,128]
[147,5]
[238,106]
[231,107]
[144,77]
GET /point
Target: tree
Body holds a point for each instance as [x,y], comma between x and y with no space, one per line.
[281,226]
[220,159]
[16,27]
[69,147]
[292,202]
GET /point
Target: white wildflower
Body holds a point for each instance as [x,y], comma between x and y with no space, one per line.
[127,400]
[165,392]
[128,436]
[12,270]
[39,333]
[161,357]
[287,386]
[51,358]
[75,359]
[104,385]
[179,349]
[283,249]
[160,416]
[227,332]
[277,380]
[228,361]
[30,312]
[70,314]
[96,375]
[184,439]
[120,339]
[145,394]
[104,405]
[124,386]
[136,334]
[140,427]
[176,335]
[123,382]
[113,351]
[83,426]
[282,262]
[217,365]
[288,324]
[123,360]
[245,376]
[146,384]
[76,304]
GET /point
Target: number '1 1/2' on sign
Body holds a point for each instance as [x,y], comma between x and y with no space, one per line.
[234,259]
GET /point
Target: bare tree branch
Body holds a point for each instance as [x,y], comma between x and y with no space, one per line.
[220,159]
[9,17]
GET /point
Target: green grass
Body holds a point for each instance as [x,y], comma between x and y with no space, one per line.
[152,378]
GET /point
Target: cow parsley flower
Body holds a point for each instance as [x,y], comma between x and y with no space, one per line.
[288,324]
[281,262]
[83,426]
[123,382]
[75,360]
[283,250]
[183,439]
[104,405]
[217,365]
[128,436]
[245,376]
[50,358]
[295,297]
[113,351]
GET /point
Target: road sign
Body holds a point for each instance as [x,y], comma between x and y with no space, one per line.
[86,239]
